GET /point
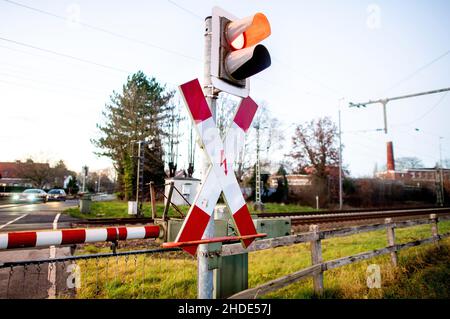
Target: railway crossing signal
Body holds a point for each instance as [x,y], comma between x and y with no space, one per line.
[220,176]
[236,54]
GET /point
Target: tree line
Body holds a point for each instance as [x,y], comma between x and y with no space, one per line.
[145,110]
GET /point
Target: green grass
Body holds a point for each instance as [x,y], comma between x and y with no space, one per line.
[282,208]
[115,209]
[423,271]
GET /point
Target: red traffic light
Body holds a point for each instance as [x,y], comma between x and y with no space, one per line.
[248,31]
[236,52]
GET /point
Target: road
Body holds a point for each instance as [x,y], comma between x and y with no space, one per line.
[17,217]
[45,280]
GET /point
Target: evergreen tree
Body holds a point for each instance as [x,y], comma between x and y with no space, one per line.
[138,113]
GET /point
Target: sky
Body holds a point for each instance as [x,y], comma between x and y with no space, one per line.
[61,60]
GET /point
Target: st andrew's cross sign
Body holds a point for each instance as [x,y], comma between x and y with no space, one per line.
[220,176]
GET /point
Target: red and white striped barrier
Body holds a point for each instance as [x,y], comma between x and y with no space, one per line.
[75,236]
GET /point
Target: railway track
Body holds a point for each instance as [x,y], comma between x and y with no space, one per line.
[298,218]
[326,217]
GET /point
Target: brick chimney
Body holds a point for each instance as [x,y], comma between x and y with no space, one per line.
[390,157]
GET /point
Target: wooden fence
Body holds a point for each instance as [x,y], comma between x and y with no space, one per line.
[318,267]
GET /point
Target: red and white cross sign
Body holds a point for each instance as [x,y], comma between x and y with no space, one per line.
[220,176]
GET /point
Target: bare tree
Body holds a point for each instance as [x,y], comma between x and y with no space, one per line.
[314,145]
[38,173]
[406,162]
[270,140]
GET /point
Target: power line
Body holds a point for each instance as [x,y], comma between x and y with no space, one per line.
[399,147]
[39,56]
[65,55]
[53,84]
[293,70]
[408,77]
[431,109]
[40,89]
[103,30]
[185,9]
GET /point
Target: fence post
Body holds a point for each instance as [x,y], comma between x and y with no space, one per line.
[316,258]
[391,240]
[169,200]
[153,199]
[434,228]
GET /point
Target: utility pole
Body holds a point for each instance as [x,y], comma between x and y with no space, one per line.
[258,202]
[340,161]
[85,173]
[440,181]
[191,153]
[140,177]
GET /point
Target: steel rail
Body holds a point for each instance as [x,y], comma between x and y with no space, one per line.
[360,216]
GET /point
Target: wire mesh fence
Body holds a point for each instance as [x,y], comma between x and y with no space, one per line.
[156,273]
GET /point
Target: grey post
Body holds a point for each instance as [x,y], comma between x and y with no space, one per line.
[169,201]
[434,228]
[206,275]
[153,199]
[391,239]
[316,258]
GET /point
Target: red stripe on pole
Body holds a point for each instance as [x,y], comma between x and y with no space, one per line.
[151,231]
[245,113]
[122,233]
[73,236]
[111,234]
[194,228]
[22,239]
[196,101]
[244,223]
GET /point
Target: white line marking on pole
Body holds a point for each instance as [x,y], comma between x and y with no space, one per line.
[12,221]
[52,266]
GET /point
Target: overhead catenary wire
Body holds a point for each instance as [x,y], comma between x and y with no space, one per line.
[431,109]
[185,10]
[420,69]
[52,84]
[40,89]
[106,31]
[64,55]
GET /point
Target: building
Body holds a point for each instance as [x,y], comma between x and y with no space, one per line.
[294,180]
[11,173]
[416,175]
[412,176]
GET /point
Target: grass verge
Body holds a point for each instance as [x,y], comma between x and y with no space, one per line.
[423,271]
[116,209]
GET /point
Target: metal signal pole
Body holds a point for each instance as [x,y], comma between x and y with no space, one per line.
[205,285]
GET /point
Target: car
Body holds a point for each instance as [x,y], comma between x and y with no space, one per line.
[56,194]
[31,195]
